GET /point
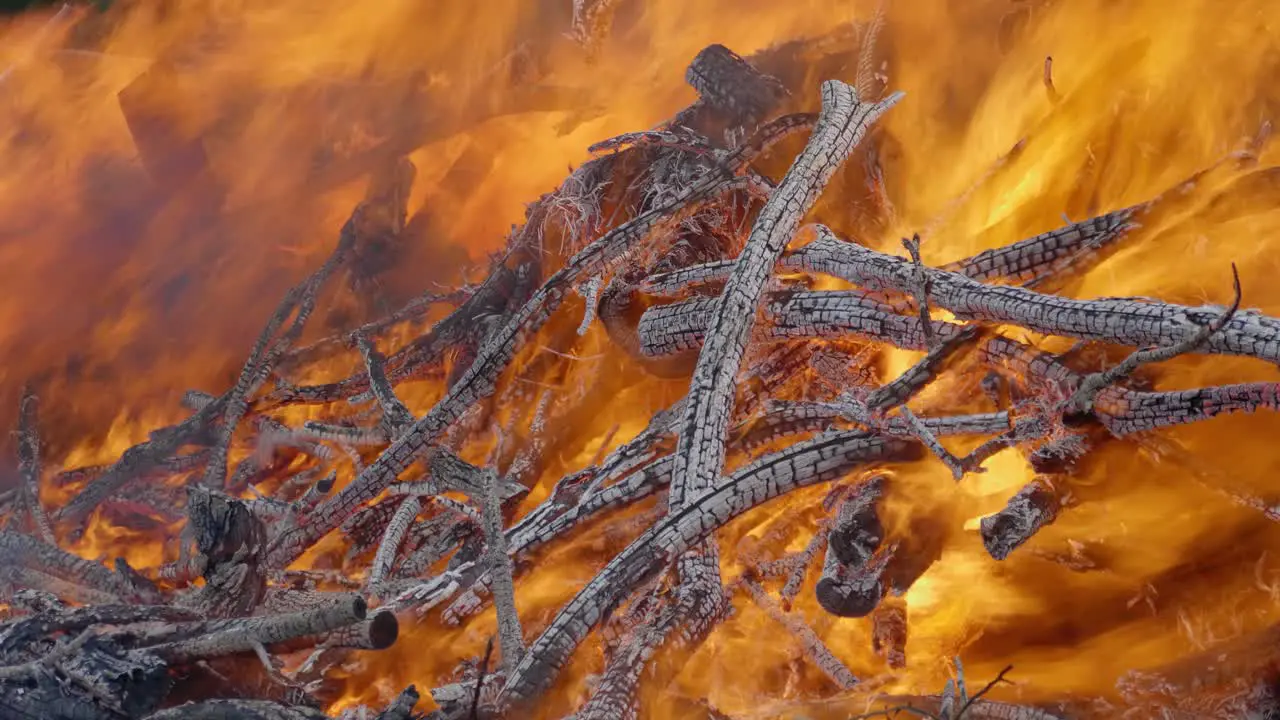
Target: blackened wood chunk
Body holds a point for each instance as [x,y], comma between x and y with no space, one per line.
[137,681]
[401,708]
[1033,507]
[852,582]
[731,85]
[231,539]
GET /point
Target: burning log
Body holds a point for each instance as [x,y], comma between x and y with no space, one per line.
[1033,507]
[22,552]
[847,586]
[680,327]
[700,449]
[509,632]
[864,562]
[247,633]
[678,624]
[1054,254]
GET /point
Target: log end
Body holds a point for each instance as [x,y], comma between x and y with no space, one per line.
[847,600]
[384,629]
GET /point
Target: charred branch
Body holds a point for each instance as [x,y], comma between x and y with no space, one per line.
[820,460]
[1120,321]
[29,464]
[812,645]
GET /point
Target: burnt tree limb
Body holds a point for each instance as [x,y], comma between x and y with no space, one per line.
[1120,321]
[822,459]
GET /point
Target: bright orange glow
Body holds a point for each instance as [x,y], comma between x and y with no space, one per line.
[125,287]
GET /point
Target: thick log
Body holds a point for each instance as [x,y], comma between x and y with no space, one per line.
[244,635]
[25,552]
[700,449]
[1030,509]
[667,330]
[1050,255]
[855,536]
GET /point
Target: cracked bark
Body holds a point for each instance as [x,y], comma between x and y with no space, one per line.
[668,330]
[30,553]
[394,413]
[29,464]
[242,635]
[1121,321]
[1050,255]
[389,548]
[700,448]
[731,85]
[808,463]
[1031,508]
[1121,410]
[680,623]
[510,635]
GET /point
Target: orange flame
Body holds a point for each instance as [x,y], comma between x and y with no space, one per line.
[126,287]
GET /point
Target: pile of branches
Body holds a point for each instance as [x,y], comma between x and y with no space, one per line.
[681,243]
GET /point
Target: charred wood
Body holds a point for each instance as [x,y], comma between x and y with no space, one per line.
[1033,507]
[1120,321]
[731,85]
[820,460]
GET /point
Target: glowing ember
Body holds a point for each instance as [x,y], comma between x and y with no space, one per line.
[752,456]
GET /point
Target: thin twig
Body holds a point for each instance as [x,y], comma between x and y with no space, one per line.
[1082,399]
[866,54]
[484,669]
[921,289]
[986,689]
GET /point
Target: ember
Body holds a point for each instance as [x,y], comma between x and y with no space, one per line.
[913,363]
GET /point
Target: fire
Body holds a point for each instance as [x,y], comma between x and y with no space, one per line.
[130,281]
